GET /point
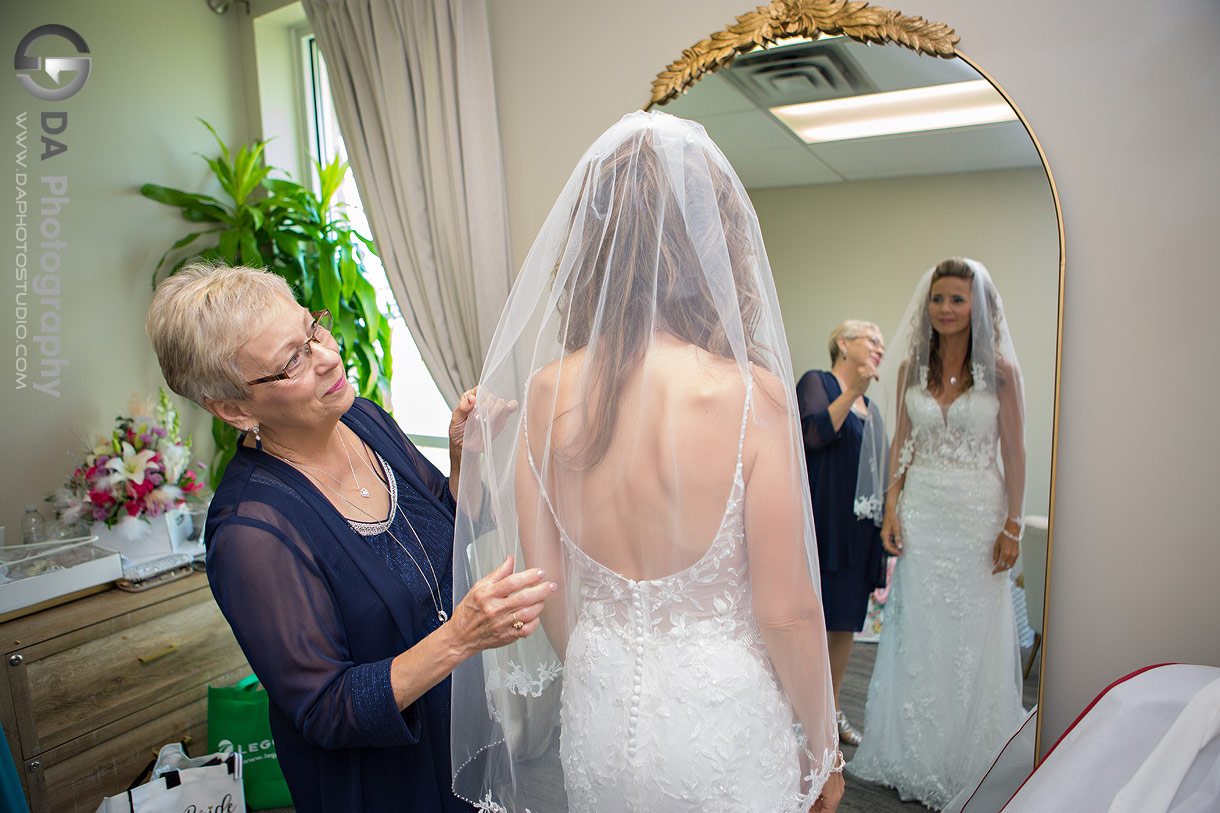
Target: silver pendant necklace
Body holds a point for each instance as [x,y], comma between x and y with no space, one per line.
[364,492]
[437,604]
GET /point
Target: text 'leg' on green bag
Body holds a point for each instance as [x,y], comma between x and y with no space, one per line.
[238,721]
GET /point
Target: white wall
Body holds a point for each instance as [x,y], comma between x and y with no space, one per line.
[156,66]
[1119,94]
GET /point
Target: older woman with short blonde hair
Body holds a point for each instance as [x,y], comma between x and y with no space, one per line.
[330,543]
[833,410]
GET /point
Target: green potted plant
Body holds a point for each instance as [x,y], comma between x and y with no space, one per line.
[279,224]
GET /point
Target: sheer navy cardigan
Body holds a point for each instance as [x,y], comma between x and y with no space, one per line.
[311,605]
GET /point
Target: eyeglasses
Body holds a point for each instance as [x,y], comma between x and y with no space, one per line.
[319,332]
[872,341]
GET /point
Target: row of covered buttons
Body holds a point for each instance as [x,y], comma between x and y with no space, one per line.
[641,624]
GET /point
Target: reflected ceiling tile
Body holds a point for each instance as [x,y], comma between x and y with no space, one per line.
[893,68]
[715,97]
[754,130]
[792,166]
[968,149]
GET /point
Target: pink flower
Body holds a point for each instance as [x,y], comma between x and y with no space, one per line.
[133,508]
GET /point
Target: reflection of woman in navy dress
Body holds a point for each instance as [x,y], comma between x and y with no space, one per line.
[833,411]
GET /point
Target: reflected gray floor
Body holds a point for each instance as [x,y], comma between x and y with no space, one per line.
[861,797]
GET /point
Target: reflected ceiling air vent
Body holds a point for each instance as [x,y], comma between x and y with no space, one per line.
[809,72]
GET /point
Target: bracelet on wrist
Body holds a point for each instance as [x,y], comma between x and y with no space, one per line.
[1016,538]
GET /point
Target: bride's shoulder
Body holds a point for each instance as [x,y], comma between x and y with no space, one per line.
[771,397]
[549,377]
[1006,371]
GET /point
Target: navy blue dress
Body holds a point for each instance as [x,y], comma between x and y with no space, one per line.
[850,555]
[320,611]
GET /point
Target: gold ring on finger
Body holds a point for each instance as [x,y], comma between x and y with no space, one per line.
[517,625]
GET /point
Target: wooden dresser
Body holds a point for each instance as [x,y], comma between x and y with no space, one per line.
[90,690]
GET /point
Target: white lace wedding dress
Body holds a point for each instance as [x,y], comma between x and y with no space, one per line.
[945,692]
[670,702]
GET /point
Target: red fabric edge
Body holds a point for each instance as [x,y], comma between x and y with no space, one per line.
[1080,717]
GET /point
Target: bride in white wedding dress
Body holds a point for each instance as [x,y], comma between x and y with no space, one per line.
[945,694]
[656,476]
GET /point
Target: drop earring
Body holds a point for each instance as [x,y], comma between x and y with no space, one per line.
[258,442]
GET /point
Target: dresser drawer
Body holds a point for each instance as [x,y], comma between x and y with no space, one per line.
[64,782]
[90,678]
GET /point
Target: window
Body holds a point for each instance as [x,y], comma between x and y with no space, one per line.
[418,405]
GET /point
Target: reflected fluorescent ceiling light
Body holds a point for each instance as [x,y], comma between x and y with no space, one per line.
[938,107]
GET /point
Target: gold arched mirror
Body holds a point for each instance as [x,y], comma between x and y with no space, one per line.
[852,218]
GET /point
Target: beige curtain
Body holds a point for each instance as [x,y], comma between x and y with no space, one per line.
[412,84]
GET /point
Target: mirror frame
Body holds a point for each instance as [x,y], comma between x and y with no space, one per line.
[858,20]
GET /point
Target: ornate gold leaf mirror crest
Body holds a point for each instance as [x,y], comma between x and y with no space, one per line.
[852,221]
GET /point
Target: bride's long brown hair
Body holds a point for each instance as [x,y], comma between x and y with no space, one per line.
[640,271]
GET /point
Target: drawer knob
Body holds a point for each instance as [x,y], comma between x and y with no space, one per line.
[155,655]
[34,766]
[15,660]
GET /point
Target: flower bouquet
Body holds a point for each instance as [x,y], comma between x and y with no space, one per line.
[136,475]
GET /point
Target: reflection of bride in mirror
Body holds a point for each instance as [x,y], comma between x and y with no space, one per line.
[945,692]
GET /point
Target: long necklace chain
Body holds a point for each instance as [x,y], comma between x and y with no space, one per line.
[440,612]
[437,604]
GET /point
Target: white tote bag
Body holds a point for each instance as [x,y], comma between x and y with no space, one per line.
[207,784]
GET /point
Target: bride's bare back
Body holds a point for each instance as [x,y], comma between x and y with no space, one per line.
[654,502]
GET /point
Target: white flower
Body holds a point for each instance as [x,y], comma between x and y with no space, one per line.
[174,458]
[132,465]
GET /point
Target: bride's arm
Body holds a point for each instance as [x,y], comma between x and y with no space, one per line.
[900,458]
[540,543]
[1012,453]
[786,604]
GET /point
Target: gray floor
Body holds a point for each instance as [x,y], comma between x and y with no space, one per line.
[860,797]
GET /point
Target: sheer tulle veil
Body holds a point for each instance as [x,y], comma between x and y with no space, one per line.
[643,343]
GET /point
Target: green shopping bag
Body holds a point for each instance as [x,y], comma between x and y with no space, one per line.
[238,721]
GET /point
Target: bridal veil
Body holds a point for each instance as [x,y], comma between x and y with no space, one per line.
[643,343]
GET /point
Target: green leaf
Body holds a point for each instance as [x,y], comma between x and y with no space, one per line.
[367,297]
[185,241]
[330,178]
[227,247]
[369,384]
[349,273]
[250,255]
[198,208]
[328,282]
[176,197]
[346,329]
